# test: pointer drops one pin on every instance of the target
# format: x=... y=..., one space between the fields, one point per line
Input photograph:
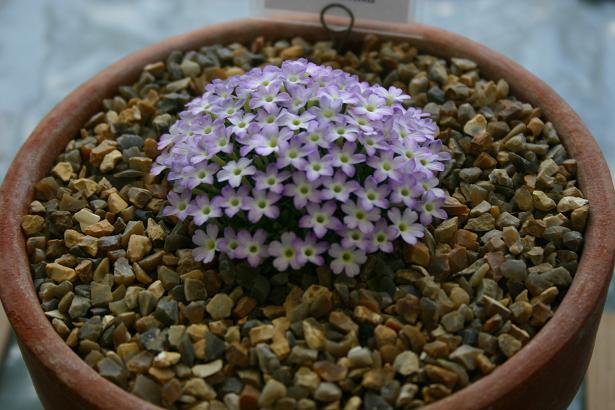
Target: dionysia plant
x=302 y=164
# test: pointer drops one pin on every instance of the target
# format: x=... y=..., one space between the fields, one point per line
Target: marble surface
x=48 y=47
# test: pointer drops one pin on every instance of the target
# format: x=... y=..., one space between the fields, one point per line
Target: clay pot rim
x=587 y=291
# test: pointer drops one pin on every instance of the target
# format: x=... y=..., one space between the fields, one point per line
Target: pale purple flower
x=317 y=135
x=328 y=110
x=337 y=187
x=222 y=142
x=439 y=154
x=266 y=118
x=405 y=225
x=199 y=105
x=201 y=149
x=354 y=238
x=358 y=217
x=302 y=190
x=386 y=165
x=227 y=108
x=373 y=195
x=317 y=71
x=348 y=132
x=373 y=108
x=252 y=247
x=296 y=122
x=345 y=158
x=293 y=153
x=399 y=130
x=207 y=243
x=427 y=160
x=167 y=140
x=262 y=204
x=299 y=97
x=159 y=166
x=271 y=179
x=316 y=167
x=407 y=148
x=221 y=89
x=406 y=192
x=373 y=143
x=199 y=174
x=420 y=126
x=294 y=71
x=179 y=205
x=363 y=124
x=381 y=238
x=431 y=207
x=202 y=210
x=206 y=127
x=240 y=123
x=266 y=77
x=234 y=171
x=346 y=260
x=392 y=96
x=320 y=218
x=310 y=250
x=229 y=242
x=233 y=201
x=249 y=143
x=338 y=91
x=269 y=139
x=428 y=183
x=268 y=97
x=284 y=252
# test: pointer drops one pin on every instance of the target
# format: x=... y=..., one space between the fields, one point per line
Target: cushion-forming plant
x=302 y=164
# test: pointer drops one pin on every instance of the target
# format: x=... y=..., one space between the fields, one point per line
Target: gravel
x=119 y=284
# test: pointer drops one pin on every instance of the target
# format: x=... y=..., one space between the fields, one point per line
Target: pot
x=545 y=374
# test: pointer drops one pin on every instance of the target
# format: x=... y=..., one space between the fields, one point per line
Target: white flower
x=252 y=247
x=233 y=171
x=354 y=238
x=358 y=217
x=347 y=260
x=404 y=225
x=285 y=252
x=207 y=243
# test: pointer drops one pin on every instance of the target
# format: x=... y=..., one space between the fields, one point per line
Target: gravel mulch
x=119 y=284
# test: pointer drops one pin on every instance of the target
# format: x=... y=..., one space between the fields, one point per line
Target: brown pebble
x=261 y=333
x=330 y=372
x=384 y=336
x=32 y=224
x=63 y=170
x=116 y=203
x=244 y=306
x=59 y=273
x=342 y=321
x=99 y=229
x=375 y=379
x=508 y=344
x=441 y=375
x=417 y=254
x=138 y=247
x=363 y=314
x=248 y=399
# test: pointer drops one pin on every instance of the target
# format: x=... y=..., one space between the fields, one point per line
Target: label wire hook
x=339 y=36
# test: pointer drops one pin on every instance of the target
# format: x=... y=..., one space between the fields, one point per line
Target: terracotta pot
x=545 y=374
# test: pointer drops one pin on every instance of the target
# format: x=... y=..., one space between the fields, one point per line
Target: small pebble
x=220 y=306
x=406 y=363
x=327 y=392
x=271 y=393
